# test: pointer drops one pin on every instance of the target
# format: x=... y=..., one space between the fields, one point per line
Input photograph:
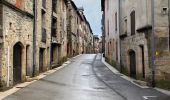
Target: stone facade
x=111 y=22
x=43 y=35
x=96 y=44
x=79 y=31
x=135 y=42
x=34 y=39
x=135 y=19
x=16 y=34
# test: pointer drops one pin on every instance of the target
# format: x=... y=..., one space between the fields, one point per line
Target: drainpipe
x=169 y=21
x=153 y=43
x=51 y=34
x=119 y=34
x=8 y=67
x=34 y=35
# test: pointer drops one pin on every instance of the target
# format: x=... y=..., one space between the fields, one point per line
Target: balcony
x=44 y=35
x=44 y=4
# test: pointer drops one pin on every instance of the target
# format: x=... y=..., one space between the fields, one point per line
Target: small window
x=108 y=27
x=116 y=21
x=133 y=23
x=125 y=26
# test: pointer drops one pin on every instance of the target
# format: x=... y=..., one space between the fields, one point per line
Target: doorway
x=17 y=63
x=143 y=61
x=41 y=60
x=132 y=56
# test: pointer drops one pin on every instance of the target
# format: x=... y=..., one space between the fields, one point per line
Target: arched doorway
x=132 y=57
x=17 y=63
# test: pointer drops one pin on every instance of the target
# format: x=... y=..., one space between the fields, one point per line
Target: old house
x=96 y=43
x=59 y=32
x=71 y=29
x=144 y=37
x=111 y=25
x=43 y=35
x=16 y=36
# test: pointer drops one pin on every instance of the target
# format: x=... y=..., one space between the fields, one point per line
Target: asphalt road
x=85 y=78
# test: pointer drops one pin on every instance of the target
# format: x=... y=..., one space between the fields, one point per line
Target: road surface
x=85 y=78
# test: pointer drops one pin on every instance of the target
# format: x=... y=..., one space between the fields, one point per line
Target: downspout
x=34 y=36
x=119 y=33
x=51 y=34
x=169 y=21
x=153 y=44
x=8 y=67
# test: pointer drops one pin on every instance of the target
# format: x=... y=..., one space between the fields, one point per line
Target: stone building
x=136 y=24
x=96 y=43
x=79 y=32
x=43 y=35
x=72 y=29
x=34 y=39
x=59 y=32
x=89 y=38
x=111 y=24
x=16 y=46
x=136 y=39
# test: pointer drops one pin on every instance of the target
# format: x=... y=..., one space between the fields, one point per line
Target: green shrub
x=164 y=84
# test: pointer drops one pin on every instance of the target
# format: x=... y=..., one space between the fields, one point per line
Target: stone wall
x=134 y=42
x=17 y=28
x=112 y=49
x=39 y=44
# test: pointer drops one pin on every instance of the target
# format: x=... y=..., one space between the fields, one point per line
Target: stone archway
x=17 y=63
x=132 y=60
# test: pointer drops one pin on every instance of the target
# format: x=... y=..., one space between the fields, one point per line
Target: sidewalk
x=42 y=75
x=124 y=85
x=130 y=79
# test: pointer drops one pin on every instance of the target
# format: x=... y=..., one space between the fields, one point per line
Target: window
x=54 y=6
x=125 y=26
x=116 y=51
x=44 y=3
x=108 y=48
x=116 y=21
x=133 y=28
x=108 y=27
x=43 y=19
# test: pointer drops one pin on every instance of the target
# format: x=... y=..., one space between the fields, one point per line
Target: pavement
x=86 y=77
x=124 y=85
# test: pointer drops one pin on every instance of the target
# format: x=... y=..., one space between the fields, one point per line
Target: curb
x=132 y=80
x=34 y=79
x=163 y=91
x=122 y=75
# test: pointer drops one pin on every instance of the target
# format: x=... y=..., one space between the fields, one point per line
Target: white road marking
x=147 y=97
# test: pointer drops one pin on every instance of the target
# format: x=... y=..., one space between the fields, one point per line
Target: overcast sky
x=92 y=12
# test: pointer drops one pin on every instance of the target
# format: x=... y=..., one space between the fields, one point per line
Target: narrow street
x=85 y=78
